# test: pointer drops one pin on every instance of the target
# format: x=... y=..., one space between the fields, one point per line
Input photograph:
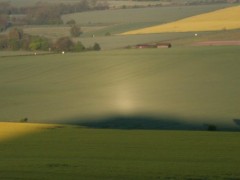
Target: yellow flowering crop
x=11 y=130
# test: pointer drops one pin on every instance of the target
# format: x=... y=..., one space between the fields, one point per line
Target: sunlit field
x=224 y=19
x=16 y=130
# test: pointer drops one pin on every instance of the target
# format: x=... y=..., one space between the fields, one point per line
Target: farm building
x=155 y=45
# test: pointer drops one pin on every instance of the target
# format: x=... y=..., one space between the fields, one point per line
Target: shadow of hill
x=138 y=122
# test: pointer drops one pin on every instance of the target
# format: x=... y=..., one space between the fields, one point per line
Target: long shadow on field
x=137 y=122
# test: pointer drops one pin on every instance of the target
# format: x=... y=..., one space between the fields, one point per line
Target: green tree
x=24 y=120
x=78 y=47
x=35 y=45
x=39 y=43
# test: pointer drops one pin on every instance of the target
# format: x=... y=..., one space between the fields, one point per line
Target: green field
x=79 y=153
x=190 y=85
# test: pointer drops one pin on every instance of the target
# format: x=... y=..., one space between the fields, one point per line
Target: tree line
x=16 y=39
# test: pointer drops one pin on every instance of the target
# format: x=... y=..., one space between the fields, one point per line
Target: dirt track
x=218 y=43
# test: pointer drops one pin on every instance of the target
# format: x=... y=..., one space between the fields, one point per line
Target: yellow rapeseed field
x=224 y=19
x=12 y=130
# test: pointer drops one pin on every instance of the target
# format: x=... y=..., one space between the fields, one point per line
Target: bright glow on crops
x=12 y=130
x=123 y=100
x=224 y=19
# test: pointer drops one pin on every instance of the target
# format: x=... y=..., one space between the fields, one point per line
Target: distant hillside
x=223 y=19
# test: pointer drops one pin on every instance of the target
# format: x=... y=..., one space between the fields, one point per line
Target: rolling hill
x=195 y=85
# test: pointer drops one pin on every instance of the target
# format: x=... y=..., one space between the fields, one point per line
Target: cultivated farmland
x=224 y=19
x=102 y=26
x=122 y=20
x=15 y=130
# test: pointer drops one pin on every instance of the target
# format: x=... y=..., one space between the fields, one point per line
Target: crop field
x=223 y=19
x=122 y=20
x=184 y=86
x=105 y=25
x=72 y=152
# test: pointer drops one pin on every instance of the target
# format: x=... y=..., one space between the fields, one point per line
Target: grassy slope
x=78 y=153
x=194 y=84
x=217 y=20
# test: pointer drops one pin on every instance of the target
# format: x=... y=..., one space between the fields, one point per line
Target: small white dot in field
x=35 y=53
x=196 y=34
x=63 y=52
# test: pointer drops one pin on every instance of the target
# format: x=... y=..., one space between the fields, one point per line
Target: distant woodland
x=43 y=13
x=16 y=39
